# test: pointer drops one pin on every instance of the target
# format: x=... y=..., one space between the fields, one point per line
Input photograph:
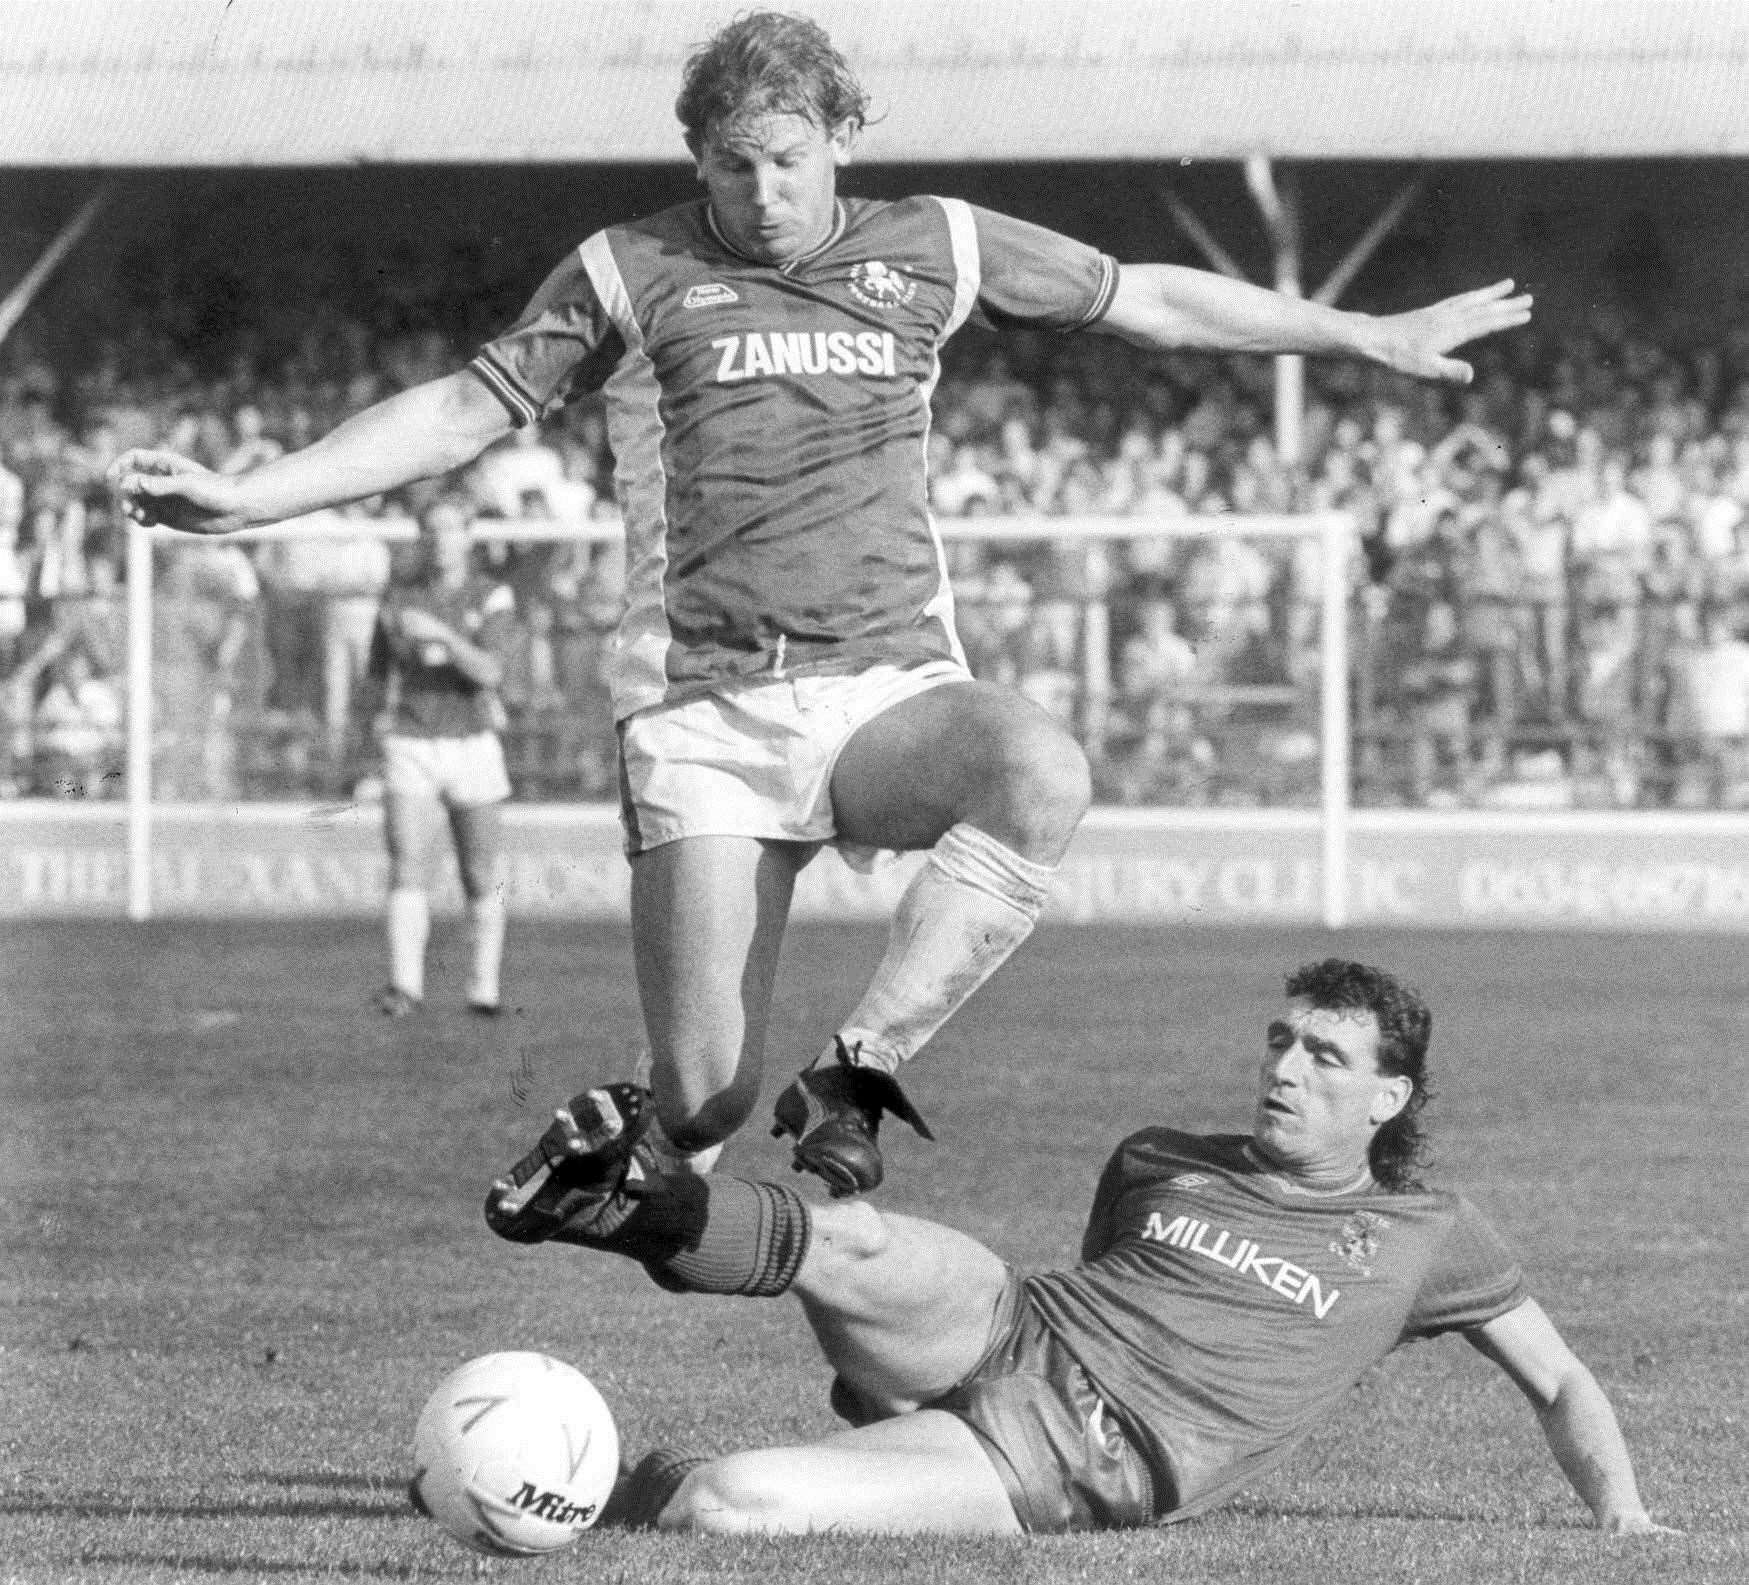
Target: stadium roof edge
x=175 y=83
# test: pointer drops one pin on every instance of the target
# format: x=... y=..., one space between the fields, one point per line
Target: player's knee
x=411 y=872
x=480 y=877
x=846 y=1240
x=696 y=1116
x=1046 y=787
x=728 y=1496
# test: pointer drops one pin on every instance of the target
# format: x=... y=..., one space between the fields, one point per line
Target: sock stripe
x=782 y=1241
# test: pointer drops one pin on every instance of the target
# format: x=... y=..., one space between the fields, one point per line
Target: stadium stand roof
x=113 y=83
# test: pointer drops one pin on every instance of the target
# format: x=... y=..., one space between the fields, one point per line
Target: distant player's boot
x=834 y=1113
x=584 y=1171
x=393 y=1002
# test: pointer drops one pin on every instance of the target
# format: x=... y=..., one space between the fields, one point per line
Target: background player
x=787 y=670
x=435 y=660
x=1231 y=1289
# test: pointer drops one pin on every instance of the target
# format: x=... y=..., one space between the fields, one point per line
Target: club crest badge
x=1359 y=1240
x=880 y=285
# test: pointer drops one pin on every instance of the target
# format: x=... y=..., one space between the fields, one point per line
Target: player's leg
x=412 y=829
x=922 y=1473
x=901 y=1306
x=905 y=1309
x=965 y=752
x=994 y=788
x=478 y=833
x=708 y=916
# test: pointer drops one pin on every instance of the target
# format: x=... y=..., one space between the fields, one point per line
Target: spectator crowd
x=1549 y=592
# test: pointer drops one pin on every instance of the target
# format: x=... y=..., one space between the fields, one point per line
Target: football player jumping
x=787 y=672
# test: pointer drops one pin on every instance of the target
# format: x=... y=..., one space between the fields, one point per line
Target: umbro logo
x=1190 y=1180
x=711 y=295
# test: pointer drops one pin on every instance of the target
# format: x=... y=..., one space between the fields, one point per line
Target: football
x=514 y=1454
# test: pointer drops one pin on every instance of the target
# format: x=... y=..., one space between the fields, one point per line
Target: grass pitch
x=240 y=1218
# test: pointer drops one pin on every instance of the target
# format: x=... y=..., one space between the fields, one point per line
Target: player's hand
x=1417 y=342
x=421 y=627
x=159 y=488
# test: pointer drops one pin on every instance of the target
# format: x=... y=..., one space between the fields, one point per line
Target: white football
x=514 y=1454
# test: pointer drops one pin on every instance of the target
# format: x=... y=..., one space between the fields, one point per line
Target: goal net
x=1202 y=662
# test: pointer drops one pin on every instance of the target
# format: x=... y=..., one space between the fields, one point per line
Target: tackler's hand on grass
x=1417 y=342
x=162 y=489
x=1624 y=1526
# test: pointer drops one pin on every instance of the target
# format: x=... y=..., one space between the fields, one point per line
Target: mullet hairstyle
x=768 y=63
x=1400 y=1147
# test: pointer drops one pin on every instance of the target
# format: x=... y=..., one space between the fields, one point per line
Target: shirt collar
x=1363 y=1180
x=839 y=221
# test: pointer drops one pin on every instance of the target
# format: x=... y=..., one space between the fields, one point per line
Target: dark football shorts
x=1066 y=1462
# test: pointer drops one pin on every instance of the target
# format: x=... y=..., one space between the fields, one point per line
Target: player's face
x=1322 y=1096
x=773 y=180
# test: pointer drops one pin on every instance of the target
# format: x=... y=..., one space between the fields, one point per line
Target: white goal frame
x=1334 y=531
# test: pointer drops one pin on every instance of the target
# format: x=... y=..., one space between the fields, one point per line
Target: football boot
x=393 y=1002
x=587 y=1165
x=833 y=1110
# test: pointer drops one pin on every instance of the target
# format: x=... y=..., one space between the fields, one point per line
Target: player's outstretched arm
x=1166 y=306
x=415 y=434
x=1575 y=1413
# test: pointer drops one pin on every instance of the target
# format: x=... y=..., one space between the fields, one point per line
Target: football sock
x=486 y=929
x=642 y=1492
x=970 y=905
x=707 y=1235
x=409 y=928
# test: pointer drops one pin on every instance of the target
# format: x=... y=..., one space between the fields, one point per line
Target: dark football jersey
x=769 y=424
x=1222 y=1314
x=428 y=695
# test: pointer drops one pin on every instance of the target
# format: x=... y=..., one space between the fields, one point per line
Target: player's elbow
x=465 y=418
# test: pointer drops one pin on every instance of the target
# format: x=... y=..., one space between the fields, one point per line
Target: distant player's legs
x=708 y=916
x=994 y=788
x=412 y=827
x=478 y=834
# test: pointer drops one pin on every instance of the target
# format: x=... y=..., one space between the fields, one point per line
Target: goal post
x=1097 y=538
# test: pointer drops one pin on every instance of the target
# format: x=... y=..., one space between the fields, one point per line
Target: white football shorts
x=460 y=772
x=755 y=760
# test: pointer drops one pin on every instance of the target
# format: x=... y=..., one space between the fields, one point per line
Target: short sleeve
x=1032 y=278
x=1472 y=1279
x=1096 y=1237
x=563 y=344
